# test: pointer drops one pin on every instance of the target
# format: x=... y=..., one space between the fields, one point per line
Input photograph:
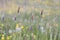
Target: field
x=35 y=20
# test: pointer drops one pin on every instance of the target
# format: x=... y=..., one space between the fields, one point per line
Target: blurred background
x=11 y=6
x=29 y=19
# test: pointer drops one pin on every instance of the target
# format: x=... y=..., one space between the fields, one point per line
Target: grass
x=30 y=25
x=30 y=29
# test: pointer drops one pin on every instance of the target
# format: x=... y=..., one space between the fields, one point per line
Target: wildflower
x=42 y=29
x=22 y=27
x=18 y=29
x=17 y=25
x=2 y=37
x=10 y=31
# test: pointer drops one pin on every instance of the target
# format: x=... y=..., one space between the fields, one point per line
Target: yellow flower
x=17 y=25
x=2 y=38
x=22 y=27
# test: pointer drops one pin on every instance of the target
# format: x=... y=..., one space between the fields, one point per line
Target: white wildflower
x=10 y=31
x=18 y=29
x=42 y=29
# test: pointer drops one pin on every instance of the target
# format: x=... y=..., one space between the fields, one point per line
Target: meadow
x=29 y=26
x=35 y=20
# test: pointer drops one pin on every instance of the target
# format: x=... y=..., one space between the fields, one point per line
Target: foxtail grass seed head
x=41 y=12
x=18 y=9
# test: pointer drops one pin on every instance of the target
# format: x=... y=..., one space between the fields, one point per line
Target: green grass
x=31 y=30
